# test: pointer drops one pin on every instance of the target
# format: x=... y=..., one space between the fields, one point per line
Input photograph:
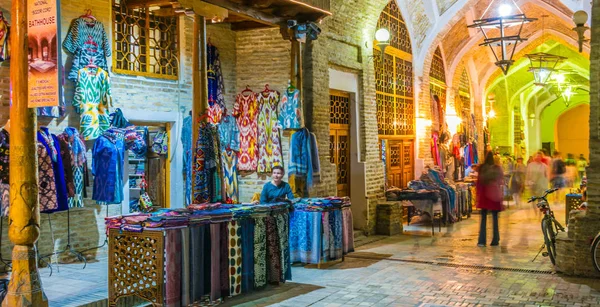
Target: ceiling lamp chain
x=502 y=41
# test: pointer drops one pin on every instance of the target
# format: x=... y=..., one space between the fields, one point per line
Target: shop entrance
x=339 y=138
x=400 y=162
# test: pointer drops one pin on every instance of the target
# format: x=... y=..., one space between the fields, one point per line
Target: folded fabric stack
x=396 y=194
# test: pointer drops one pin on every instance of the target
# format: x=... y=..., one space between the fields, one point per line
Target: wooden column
x=199 y=79
x=296 y=71
x=25 y=287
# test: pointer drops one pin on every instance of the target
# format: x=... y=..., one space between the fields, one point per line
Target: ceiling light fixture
x=543 y=64
x=580 y=18
x=382 y=36
x=503 y=46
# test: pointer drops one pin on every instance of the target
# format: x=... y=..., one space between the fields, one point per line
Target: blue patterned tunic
x=88 y=43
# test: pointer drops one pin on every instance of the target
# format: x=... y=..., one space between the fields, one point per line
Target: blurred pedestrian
x=517 y=181
x=490 y=194
x=581 y=165
x=557 y=176
x=537 y=176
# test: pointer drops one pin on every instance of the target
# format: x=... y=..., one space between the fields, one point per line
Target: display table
x=186 y=256
x=321 y=230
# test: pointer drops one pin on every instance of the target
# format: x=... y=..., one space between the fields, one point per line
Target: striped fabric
x=88 y=43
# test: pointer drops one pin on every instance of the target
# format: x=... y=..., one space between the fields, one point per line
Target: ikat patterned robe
x=92 y=100
x=269 y=145
x=245 y=110
x=290 y=110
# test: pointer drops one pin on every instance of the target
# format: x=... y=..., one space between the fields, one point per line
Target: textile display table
x=321 y=230
x=200 y=254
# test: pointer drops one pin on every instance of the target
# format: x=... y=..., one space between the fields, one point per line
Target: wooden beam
x=205 y=9
x=249 y=12
x=144 y=3
x=248 y=25
x=199 y=79
x=25 y=288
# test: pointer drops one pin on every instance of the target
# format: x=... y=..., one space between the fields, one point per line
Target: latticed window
x=464 y=94
x=394 y=78
x=437 y=86
x=144 y=44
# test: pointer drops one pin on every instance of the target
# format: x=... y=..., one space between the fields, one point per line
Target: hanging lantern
x=566 y=95
x=542 y=65
x=503 y=46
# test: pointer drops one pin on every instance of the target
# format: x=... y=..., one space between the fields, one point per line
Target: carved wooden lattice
x=144 y=44
x=464 y=93
x=339 y=109
x=339 y=138
x=394 y=78
x=438 y=70
x=343 y=159
x=136 y=266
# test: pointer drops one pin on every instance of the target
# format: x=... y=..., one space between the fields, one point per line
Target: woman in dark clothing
x=489 y=197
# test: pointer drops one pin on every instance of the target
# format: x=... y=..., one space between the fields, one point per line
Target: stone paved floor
x=414 y=269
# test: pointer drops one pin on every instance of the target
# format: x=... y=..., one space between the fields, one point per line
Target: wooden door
x=339 y=139
x=400 y=162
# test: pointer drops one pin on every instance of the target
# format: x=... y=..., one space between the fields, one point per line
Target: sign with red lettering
x=43 y=53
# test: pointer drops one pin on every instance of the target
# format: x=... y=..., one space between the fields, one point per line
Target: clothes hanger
x=291 y=88
x=247 y=90
x=87 y=14
x=267 y=89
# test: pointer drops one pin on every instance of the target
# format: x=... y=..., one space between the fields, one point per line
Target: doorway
x=399 y=161
x=339 y=139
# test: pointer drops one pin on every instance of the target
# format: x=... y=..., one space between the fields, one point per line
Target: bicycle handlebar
x=534 y=198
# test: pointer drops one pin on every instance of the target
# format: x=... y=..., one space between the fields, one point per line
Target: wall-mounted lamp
x=531 y=119
x=492 y=114
x=382 y=36
x=580 y=18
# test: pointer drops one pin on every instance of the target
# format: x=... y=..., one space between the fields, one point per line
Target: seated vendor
x=277 y=189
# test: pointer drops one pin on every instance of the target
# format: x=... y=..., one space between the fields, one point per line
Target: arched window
x=463 y=103
x=394 y=77
x=437 y=86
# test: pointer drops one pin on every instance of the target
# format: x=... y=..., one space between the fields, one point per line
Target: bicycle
x=595 y=249
x=550 y=226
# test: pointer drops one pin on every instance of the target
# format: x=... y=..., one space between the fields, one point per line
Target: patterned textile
x=51 y=143
x=348 y=230
x=200 y=254
x=4 y=155
x=305 y=234
x=216 y=86
x=88 y=42
x=77 y=152
x=67 y=157
x=246 y=110
x=57 y=111
x=260 y=252
x=92 y=100
x=204 y=164
x=273 y=251
x=224 y=273
x=235 y=258
x=284 y=247
x=185 y=267
x=46 y=185
x=290 y=110
x=173 y=267
x=229 y=134
x=186 y=140
x=247 y=227
x=215 y=265
x=216 y=184
x=230 y=175
x=4 y=39
x=269 y=145
x=4 y=198
x=326 y=246
x=107 y=167
x=304 y=157
x=118 y=120
x=77 y=199
x=337 y=237
x=77 y=146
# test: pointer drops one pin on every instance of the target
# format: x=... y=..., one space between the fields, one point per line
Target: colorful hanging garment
x=4 y=171
x=107 y=167
x=51 y=143
x=4 y=198
x=88 y=42
x=4 y=38
x=46 y=185
x=78 y=160
x=269 y=145
x=92 y=100
x=204 y=164
x=186 y=140
x=304 y=157
x=173 y=267
x=290 y=110
x=65 y=153
x=235 y=258
x=229 y=134
x=230 y=175
x=260 y=252
x=245 y=110
x=216 y=88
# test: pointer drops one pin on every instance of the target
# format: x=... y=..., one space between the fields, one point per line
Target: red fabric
x=485 y=193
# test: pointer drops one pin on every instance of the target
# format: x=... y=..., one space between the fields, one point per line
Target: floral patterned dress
x=92 y=100
x=245 y=110
x=269 y=146
x=4 y=172
x=46 y=185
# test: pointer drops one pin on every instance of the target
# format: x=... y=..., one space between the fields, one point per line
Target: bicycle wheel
x=596 y=252
x=549 y=239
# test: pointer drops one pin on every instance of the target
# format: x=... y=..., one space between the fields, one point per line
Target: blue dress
x=50 y=142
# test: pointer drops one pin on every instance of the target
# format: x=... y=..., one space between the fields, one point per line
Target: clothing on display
x=92 y=100
x=230 y=174
x=88 y=42
x=246 y=110
x=269 y=145
x=4 y=155
x=216 y=87
x=304 y=162
x=229 y=133
x=186 y=140
x=4 y=38
x=77 y=150
x=52 y=146
x=204 y=164
x=290 y=109
x=46 y=183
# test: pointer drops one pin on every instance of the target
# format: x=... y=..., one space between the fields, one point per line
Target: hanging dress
x=245 y=110
x=51 y=143
x=78 y=160
x=216 y=90
x=92 y=100
x=46 y=185
x=290 y=110
x=4 y=38
x=269 y=145
x=4 y=171
x=88 y=42
x=231 y=177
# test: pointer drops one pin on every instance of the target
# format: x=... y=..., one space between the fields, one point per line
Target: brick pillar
x=573 y=248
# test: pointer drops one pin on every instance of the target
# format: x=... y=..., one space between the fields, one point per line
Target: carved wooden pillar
x=25 y=287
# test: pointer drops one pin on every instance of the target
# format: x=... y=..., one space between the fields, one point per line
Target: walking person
x=537 y=177
x=517 y=181
x=557 y=176
x=581 y=165
x=489 y=189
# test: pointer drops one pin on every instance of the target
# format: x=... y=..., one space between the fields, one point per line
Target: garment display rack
x=68 y=248
x=105 y=239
